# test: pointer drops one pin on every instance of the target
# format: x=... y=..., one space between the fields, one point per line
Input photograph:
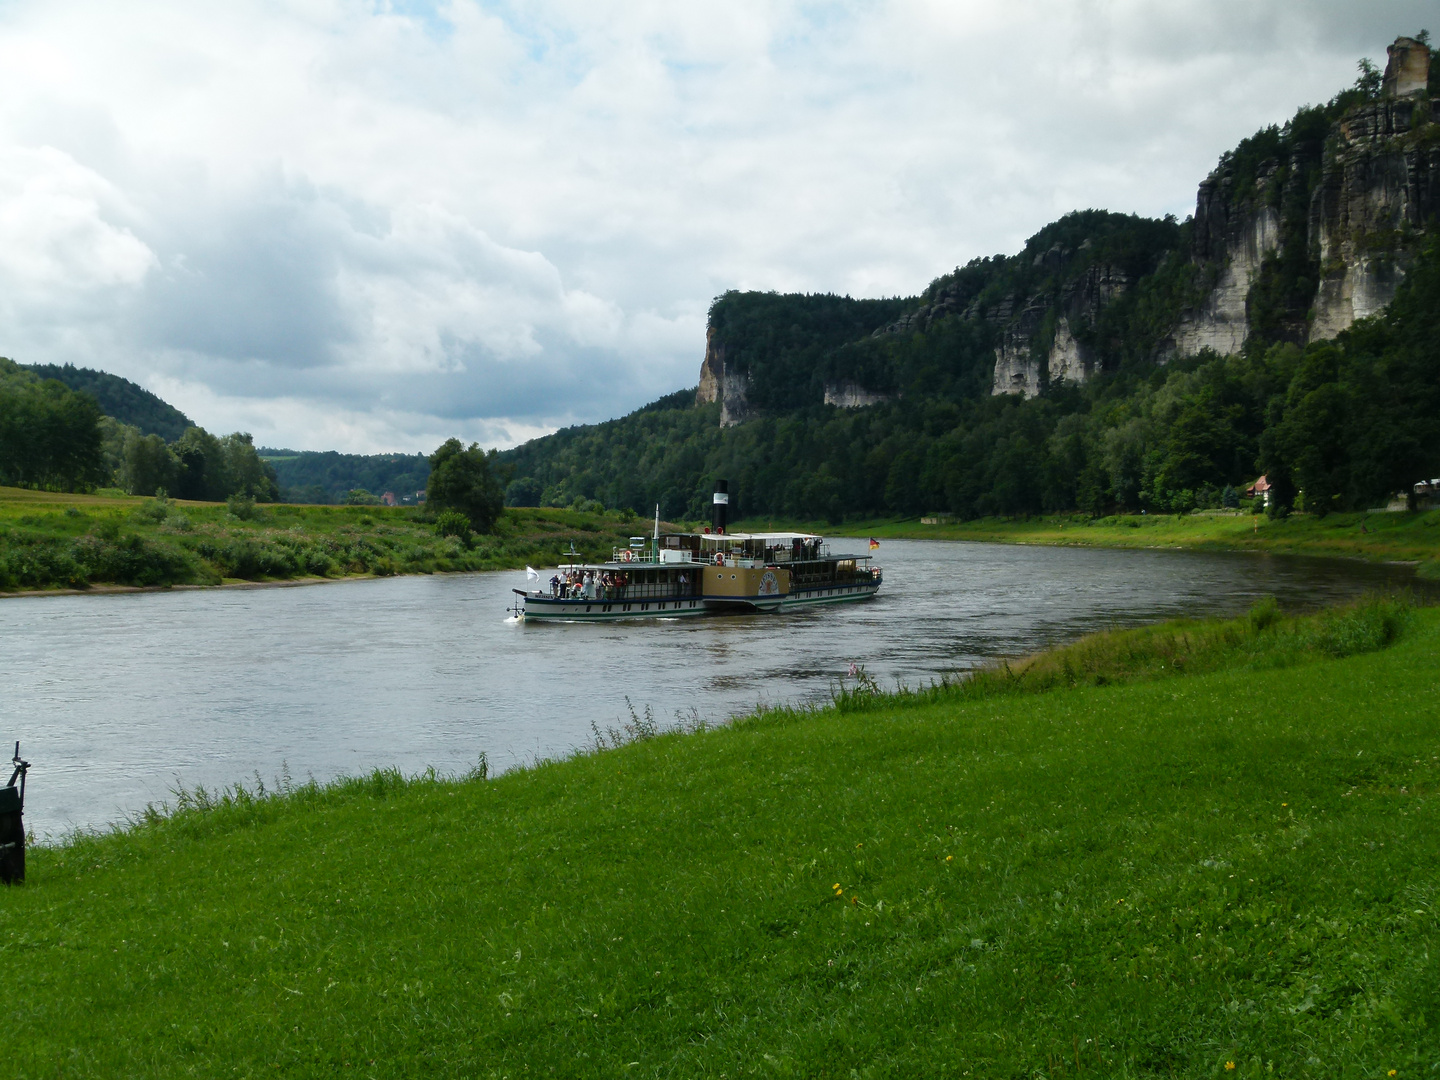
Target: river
x=119 y=698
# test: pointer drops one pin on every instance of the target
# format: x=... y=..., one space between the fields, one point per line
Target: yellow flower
x=1390 y=1073
x=1229 y=1066
x=949 y=858
x=836 y=886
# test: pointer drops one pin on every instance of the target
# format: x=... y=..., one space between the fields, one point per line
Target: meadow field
x=1192 y=850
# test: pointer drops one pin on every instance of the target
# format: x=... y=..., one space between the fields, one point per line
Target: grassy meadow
x=1194 y=850
x=1379 y=537
x=59 y=541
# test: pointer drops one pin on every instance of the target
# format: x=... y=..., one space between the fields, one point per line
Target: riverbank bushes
x=51 y=541
x=1229 y=874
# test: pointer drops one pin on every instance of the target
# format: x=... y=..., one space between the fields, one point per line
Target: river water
x=117 y=699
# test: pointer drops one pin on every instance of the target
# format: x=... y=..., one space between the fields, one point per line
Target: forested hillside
x=120 y=398
x=310 y=476
x=1117 y=363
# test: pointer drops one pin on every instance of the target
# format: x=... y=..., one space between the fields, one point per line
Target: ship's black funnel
x=721 y=508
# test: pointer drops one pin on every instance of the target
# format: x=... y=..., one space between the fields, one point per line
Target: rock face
x=1018 y=368
x=721 y=383
x=1040 y=345
x=1407 y=72
x=1378 y=186
x=1234 y=237
x=851 y=395
x=1068 y=359
x=1378 y=190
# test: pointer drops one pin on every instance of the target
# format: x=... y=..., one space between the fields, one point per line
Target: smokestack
x=721 y=508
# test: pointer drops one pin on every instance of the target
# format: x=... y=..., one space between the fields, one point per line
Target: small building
x=1427 y=494
x=388 y=498
x=1260 y=487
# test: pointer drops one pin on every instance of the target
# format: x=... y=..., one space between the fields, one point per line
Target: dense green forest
x=308 y=476
x=120 y=398
x=49 y=435
x=1334 y=425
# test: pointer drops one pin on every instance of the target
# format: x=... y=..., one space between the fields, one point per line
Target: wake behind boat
x=678 y=575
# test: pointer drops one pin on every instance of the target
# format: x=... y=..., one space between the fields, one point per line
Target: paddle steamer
x=678 y=575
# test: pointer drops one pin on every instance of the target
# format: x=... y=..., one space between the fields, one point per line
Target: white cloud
x=58 y=235
x=370 y=225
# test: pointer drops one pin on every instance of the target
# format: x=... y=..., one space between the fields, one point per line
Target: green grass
x=1149 y=878
x=52 y=541
x=1401 y=537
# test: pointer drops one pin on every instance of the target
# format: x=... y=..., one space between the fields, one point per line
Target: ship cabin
x=806 y=555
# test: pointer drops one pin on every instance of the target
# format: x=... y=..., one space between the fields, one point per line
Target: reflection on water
x=116 y=699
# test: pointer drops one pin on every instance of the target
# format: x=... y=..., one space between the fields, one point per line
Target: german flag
x=874 y=543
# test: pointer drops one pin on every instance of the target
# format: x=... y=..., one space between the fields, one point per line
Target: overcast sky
x=368 y=226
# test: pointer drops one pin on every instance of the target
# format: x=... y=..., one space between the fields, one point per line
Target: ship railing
x=619 y=594
x=647 y=556
x=633 y=555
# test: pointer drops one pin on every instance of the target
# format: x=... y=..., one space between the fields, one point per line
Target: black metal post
x=12 y=824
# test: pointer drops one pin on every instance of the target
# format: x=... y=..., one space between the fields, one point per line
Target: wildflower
x=1390 y=1073
x=949 y=858
x=1229 y=1066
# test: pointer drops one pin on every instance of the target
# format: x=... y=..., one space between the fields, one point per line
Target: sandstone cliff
x=1367 y=191
x=1380 y=188
x=1232 y=239
x=1298 y=231
x=1047 y=341
x=721 y=383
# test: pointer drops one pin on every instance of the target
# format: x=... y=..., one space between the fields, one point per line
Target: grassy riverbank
x=1030 y=875
x=1399 y=537
x=55 y=541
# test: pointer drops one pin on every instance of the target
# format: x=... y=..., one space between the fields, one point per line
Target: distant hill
x=326 y=476
x=120 y=398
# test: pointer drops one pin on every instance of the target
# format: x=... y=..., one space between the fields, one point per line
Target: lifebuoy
x=626 y=556
x=719 y=559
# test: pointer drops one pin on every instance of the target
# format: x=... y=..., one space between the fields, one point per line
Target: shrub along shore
x=1199 y=849
x=59 y=541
